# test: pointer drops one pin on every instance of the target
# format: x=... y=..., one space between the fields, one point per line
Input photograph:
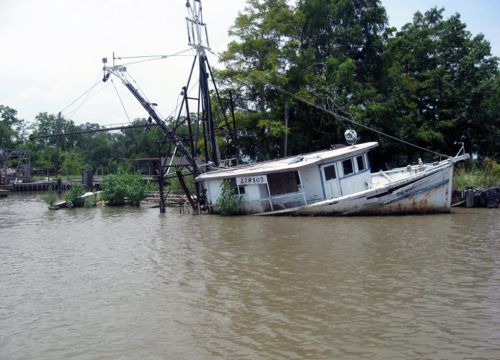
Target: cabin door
x=330 y=181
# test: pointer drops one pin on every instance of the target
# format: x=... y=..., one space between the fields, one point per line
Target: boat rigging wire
x=121 y=101
x=82 y=95
x=351 y=120
x=87 y=98
x=147 y=58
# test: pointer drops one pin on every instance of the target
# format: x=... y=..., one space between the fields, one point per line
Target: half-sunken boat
x=331 y=182
x=335 y=182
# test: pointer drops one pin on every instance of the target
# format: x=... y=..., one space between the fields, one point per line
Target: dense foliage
x=431 y=83
x=123 y=188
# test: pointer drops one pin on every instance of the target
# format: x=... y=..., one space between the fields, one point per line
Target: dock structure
x=21 y=172
x=4 y=193
x=46 y=185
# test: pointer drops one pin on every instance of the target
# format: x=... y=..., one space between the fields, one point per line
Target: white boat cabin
x=296 y=181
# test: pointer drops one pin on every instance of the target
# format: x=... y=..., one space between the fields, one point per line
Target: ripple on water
x=127 y=282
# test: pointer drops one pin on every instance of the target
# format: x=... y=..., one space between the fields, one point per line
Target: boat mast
x=198 y=40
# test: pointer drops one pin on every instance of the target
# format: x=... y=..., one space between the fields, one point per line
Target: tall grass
x=475 y=175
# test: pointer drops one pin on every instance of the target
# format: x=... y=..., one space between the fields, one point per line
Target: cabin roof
x=290 y=163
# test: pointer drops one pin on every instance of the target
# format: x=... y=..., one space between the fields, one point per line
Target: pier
x=46 y=185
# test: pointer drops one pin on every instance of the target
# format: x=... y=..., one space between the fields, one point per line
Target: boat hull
x=423 y=193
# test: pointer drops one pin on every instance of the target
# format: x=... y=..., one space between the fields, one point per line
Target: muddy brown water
x=109 y=283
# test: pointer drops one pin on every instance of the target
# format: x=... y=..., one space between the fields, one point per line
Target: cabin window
x=237 y=189
x=330 y=172
x=361 y=163
x=283 y=183
x=347 y=166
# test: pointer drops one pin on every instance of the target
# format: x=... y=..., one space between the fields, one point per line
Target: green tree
x=72 y=163
x=264 y=36
x=443 y=84
x=12 y=129
x=139 y=142
x=329 y=52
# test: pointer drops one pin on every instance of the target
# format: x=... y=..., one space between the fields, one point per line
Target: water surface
x=109 y=283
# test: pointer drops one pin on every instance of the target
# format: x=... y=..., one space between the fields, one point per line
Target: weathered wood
x=469 y=198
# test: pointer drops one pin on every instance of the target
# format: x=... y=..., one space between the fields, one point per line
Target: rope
x=349 y=119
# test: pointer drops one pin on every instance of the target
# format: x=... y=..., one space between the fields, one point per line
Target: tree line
x=432 y=83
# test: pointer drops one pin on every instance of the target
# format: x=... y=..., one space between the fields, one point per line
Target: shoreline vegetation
x=131 y=189
x=432 y=83
x=475 y=176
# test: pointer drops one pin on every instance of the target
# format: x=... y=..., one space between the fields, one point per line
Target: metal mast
x=198 y=40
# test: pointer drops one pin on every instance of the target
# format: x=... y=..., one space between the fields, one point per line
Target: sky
x=52 y=50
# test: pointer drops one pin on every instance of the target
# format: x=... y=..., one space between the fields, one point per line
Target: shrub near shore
x=472 y=175
x=123 y=189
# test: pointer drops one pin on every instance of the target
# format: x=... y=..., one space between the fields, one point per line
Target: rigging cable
x=82 y=95
x=352 y=121
x=147 y=58
x=121 y=101
x=87 y=98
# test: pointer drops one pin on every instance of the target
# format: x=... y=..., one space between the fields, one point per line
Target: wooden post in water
x=469 y=198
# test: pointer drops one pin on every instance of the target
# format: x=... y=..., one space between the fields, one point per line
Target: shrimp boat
x=332 y=182
x=336 y=182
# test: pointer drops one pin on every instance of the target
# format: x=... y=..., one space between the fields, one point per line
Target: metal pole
x=193 y=150
x=285 y=152
x=207 y=108
x=235 y=130
x=58 y=164
x=161 y=181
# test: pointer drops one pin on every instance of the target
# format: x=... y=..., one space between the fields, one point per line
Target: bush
x=89 y=202
x=50 y=197
x=73 y=196
x=228 y=202
x=122 y=188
